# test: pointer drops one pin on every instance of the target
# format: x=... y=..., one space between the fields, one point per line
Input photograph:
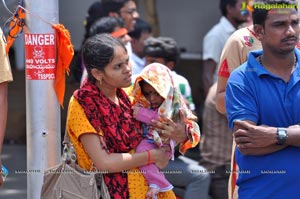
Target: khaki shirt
x=5 y=69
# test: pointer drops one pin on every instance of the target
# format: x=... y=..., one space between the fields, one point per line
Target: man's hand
x=248 y=135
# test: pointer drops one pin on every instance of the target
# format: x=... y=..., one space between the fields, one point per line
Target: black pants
x=219 y=183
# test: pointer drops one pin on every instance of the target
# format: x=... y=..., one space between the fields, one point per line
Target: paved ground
x=14 y=159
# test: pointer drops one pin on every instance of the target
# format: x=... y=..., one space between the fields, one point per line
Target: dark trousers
x=219 y=183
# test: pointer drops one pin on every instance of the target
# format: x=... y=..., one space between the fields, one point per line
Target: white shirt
x=185 y=89
x=137 y=63
x=215 y=39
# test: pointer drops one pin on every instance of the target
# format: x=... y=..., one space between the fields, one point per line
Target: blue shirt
x=254 y=94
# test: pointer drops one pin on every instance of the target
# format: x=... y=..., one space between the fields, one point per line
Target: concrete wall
x=186 y=21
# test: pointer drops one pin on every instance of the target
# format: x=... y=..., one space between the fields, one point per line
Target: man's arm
x=220 y=95
x=259 y=140
x=3 y=117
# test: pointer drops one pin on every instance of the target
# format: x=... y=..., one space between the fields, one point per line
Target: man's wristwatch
x=281 y=136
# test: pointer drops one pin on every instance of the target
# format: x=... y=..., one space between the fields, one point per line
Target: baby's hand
x=135 y=110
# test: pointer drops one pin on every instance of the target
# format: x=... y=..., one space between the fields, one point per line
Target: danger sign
x=40 y=56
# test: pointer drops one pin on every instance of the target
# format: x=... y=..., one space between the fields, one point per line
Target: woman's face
x=151 y=95
x=117 y=74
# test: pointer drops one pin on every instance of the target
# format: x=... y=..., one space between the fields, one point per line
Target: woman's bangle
x=188 y=132
x=149 y=157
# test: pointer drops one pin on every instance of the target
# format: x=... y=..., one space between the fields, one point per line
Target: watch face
x=281 y=136
x=281 y=133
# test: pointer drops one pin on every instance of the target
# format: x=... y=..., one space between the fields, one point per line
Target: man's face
x=129 y=14
x=235 y=13
x=138 y=44
x=150 y=60
x=280 y=31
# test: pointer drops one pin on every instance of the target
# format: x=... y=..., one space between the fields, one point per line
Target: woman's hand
x=161 y=156
x=168 y=128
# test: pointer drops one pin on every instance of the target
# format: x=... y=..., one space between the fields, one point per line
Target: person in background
x=165 y=50
x=5 y=77
x=193 y=180
x=215 y=39
x=125 y=9
x=234 y=54
x=142 y=31
x=114 y=26
x=262 y=103
x=214 y=124
x=94 y=13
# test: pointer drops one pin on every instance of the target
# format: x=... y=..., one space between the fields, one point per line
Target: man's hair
x=262 y=9
x=140 y=27
x=223 y=5
x=162 y=47
x=106 y=25
x=113 y=6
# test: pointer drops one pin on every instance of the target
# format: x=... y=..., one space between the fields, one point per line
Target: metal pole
x=42 y=108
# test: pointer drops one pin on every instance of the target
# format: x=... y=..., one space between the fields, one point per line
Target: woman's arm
x=117 y=162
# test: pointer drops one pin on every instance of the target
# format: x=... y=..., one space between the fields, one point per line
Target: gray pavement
x=14 y=159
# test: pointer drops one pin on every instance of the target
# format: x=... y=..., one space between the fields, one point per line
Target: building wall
x=186 y=21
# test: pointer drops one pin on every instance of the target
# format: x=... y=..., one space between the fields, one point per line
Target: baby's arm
x=145 y=115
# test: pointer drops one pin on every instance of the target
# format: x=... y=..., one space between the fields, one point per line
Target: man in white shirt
x=215 y=39
x=142 y=31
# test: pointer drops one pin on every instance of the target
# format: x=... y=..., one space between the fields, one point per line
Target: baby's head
x=151 y=94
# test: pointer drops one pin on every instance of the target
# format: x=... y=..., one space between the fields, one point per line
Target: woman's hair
x=106 y=25
x=95 y=12
x=98 y=51
x=262 y=8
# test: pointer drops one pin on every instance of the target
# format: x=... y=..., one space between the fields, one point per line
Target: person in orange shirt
x=5 y=77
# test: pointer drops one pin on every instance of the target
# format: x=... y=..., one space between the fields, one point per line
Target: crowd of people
x=133 y=112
